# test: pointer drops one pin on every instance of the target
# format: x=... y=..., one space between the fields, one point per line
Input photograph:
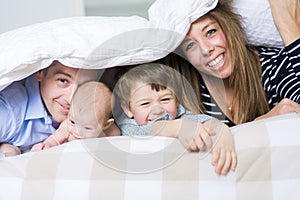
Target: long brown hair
x=249 y=96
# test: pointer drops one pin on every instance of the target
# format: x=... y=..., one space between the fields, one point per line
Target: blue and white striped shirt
x=280 y=78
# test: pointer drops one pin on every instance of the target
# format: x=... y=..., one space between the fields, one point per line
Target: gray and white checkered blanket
x=160 y=168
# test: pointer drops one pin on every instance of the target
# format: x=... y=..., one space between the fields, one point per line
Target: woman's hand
x=285 y=106
x=286 y=15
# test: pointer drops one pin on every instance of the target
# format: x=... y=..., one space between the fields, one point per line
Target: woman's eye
x=189 y=46
x=211 y=32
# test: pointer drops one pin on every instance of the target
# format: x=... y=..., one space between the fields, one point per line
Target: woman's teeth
x=215 y=62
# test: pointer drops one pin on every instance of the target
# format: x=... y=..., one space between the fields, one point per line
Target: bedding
x=136 y=167
x=256 y=16
x=160 y=168
x=81 y=42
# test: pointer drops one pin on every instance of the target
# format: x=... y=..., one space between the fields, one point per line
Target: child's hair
x=158 y=76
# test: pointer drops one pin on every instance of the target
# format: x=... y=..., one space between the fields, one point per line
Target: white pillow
x=81 y=42
x=258 y=22
x=177 y=15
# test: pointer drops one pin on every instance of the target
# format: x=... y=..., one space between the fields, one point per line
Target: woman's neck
x=222 y=93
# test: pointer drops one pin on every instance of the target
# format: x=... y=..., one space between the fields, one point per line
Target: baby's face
x=147 y=105
x=83 y=126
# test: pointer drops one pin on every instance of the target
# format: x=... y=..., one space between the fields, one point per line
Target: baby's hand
x=38 y=147
x=223 y=151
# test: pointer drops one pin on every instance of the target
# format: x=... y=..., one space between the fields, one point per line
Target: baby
x=89 y=117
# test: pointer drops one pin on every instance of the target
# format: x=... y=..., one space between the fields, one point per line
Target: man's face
x=57 y=86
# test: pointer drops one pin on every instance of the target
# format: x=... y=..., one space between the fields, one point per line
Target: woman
x=238 y=82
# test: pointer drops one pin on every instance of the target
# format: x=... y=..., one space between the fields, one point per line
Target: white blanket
x=160 y=168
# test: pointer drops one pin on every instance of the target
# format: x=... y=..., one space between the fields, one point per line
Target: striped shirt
x=280 y=79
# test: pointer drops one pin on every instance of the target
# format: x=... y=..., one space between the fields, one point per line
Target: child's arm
x=58 y=137
x=196 y=136
x=224 y=157
x=193 y=135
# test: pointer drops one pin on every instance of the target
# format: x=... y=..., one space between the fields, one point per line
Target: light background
x=18 y=13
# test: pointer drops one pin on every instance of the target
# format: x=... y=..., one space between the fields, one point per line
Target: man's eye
x=63 y=81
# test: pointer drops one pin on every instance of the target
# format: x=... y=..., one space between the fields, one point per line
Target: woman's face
x=205 y=48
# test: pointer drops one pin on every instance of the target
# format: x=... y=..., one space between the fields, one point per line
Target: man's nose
x=156 y=112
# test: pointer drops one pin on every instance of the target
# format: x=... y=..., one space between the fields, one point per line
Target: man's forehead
x=74 y=73
x=90 y=74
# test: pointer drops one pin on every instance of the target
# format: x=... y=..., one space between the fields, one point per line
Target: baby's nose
x=156 y=112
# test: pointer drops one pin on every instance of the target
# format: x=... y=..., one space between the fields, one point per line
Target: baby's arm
x=58 y=137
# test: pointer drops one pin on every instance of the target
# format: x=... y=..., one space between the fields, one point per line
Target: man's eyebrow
x=62 y=73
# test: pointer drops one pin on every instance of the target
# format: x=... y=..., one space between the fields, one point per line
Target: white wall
x=17 y=13
x=117 y=7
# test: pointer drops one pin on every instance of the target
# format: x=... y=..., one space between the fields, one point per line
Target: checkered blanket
x=157 y=168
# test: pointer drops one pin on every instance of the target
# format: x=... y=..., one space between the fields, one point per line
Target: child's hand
x=195 y=136
x=223 y=151
x=38 y=147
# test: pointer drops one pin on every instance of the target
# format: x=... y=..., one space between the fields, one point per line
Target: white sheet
x=160 y=168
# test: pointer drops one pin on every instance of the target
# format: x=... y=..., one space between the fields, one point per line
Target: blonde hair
x=159 y=77
x=246 y=76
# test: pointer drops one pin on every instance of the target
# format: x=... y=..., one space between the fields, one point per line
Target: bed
x=139 y=167
x=160 y=168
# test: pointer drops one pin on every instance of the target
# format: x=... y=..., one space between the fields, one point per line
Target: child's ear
x=177 y=102
x=127 y=111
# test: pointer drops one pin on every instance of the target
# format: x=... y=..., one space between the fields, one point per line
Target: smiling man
x=29 y=108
